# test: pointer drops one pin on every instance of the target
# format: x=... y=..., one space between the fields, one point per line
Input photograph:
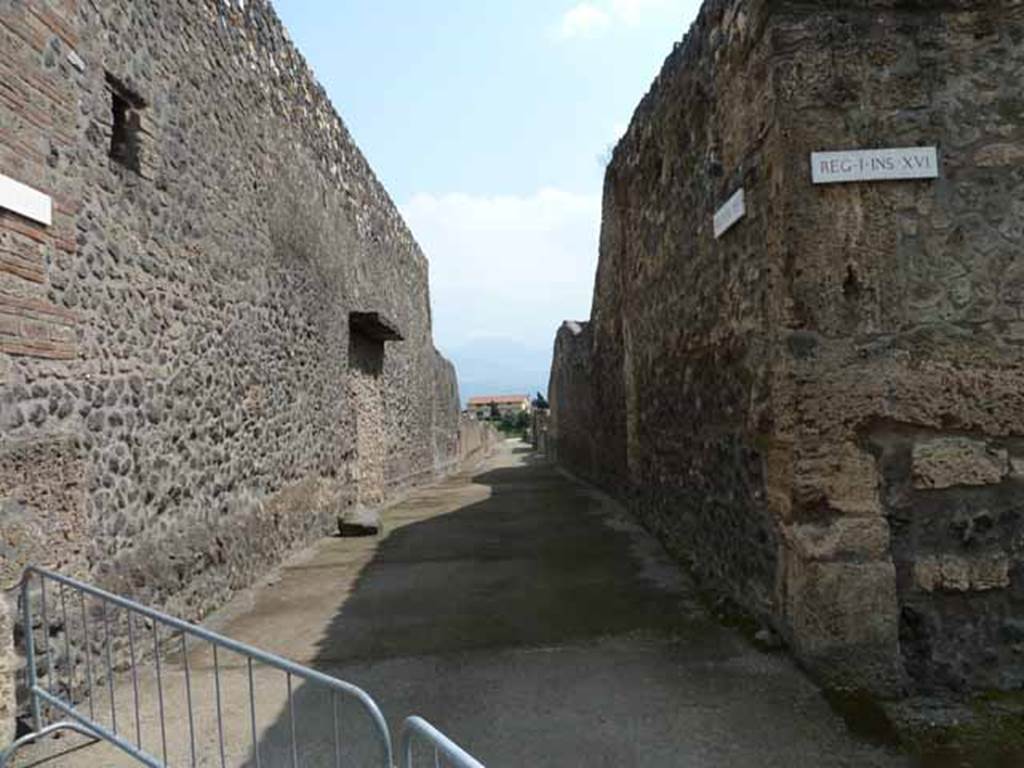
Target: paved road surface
x=522 y=613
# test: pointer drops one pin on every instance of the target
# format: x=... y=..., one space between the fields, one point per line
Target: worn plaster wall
x=176 y=398
x=821 y=411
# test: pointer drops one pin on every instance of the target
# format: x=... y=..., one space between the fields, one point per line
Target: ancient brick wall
x=821 y=410
x=174 y=347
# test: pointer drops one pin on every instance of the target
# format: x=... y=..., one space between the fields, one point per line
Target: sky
x=490 y=123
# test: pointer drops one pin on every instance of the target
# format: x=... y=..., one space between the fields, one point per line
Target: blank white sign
x=25 y=201
x=875 y=165
x=734 y=209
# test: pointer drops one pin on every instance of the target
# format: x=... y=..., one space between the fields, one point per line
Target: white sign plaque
x=734 y=209
x=25 y=201
x=875 y=165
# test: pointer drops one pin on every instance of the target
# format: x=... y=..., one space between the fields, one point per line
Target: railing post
x=30 y=649
x=405 y=746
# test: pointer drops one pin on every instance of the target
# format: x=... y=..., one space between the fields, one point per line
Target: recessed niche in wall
x=367 y=333
x=126 y=137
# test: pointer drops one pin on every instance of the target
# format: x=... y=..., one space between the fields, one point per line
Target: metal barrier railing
x=57 y=692
x=442 y=750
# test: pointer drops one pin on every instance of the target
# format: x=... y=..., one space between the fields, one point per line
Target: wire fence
x=167 y=692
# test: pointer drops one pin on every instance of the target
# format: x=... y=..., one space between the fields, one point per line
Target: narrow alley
x=525 y=615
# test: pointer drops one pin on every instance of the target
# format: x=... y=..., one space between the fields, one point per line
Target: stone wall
x=177 y=404
x=477 y=440
x=539 y=430
x=822 y=411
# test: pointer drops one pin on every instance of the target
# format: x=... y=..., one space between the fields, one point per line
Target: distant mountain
x=499 y=366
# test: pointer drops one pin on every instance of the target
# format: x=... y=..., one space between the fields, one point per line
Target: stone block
x=950 y=461
x=778 y=471
x=841 y=478
x=1017 y=466
x=953 y=573
x=860 y=538
x=359 y=521
x=841 y=603
x=996 y=155
x=844 y=618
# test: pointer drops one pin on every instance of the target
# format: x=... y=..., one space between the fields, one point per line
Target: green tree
x=515 y=423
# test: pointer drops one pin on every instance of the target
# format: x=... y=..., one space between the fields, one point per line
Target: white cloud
x=588 y=19
x=582 y=20
x=507 y=266
x=633 y=11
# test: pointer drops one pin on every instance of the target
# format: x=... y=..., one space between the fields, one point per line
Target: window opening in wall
x=367 y=333
x=126 y=136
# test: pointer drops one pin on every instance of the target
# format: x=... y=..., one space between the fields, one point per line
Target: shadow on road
x=536 y=623
x=531 y=565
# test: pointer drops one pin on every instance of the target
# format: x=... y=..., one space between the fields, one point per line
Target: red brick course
x=44 y=111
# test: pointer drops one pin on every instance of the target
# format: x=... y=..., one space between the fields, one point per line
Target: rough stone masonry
x=823 y=409
x=183 y=396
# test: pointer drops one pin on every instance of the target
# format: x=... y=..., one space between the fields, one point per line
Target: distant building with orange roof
x=482 y=406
